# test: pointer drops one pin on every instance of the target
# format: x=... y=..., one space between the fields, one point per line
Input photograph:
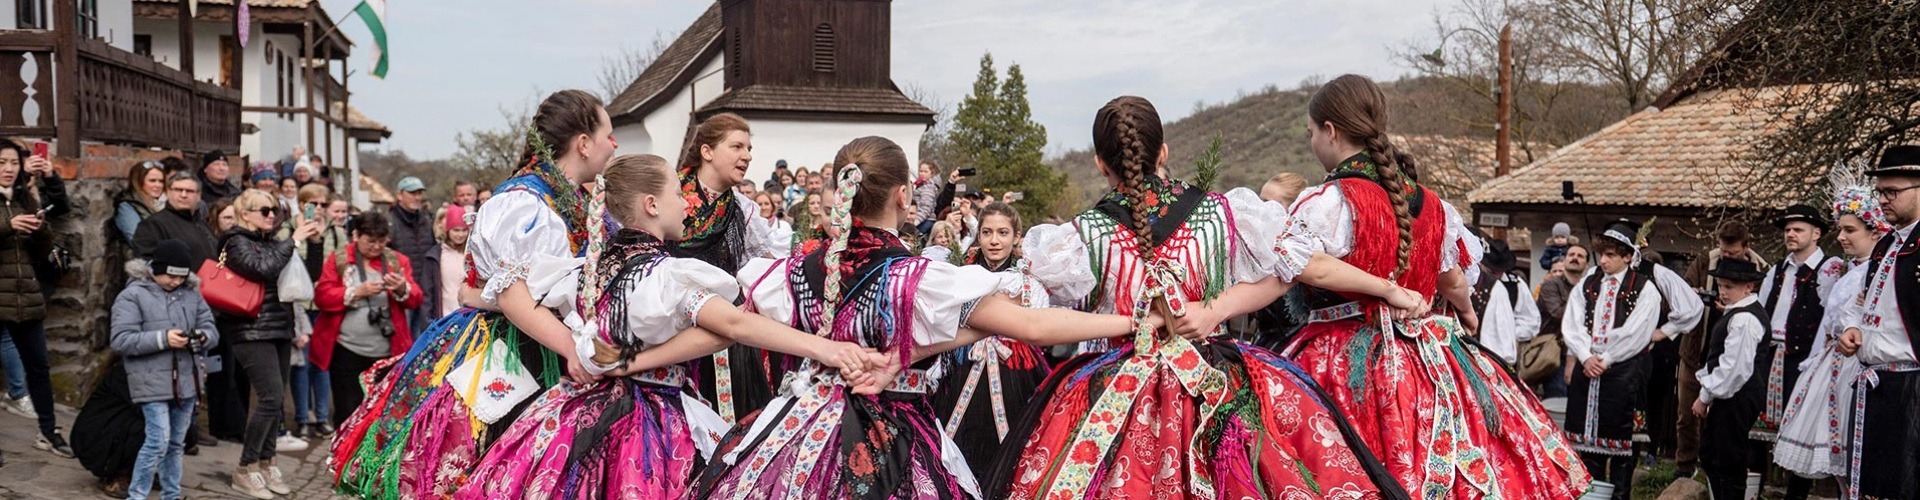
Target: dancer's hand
x=850 y=358
x=1849 y=342
x=1199 y=323
x=883 y=369
x=1407 y=303
x=1699 y=409
x=1594 y=367
x=577 y=372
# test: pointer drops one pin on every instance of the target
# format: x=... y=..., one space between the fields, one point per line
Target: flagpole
x=333 y=28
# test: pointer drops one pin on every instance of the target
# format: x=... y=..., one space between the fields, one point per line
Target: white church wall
x=665 y=129
x=813 y=143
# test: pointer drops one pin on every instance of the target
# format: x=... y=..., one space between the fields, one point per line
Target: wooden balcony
x=109 y=96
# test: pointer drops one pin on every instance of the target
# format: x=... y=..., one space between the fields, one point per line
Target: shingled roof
x=1683 y=156
x=678 y=58
x=817 y=99
x=294 y=4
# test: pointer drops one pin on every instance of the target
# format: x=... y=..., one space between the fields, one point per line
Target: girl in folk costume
x=1164 y=416
x=993 y=379
x=637 y=434
x=1445 y=416
x=818 y=440
x=1813 y=434
x=721 y=230
x=430 y=413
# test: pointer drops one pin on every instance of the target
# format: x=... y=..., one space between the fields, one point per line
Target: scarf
x=630 y=253
x=716 y=231
x=977 y=257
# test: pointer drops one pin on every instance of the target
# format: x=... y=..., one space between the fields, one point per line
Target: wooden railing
x=120 y=97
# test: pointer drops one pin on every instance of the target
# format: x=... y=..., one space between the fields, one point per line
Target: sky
x=455 y=64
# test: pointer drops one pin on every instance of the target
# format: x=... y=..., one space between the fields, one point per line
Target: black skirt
x=977 y=435
x=114 y=426
x=752 y=389
x=1889 y=458
x=1612 y=408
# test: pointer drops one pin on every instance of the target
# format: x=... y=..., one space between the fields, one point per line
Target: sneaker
x=299 y=431
x=288 y=444
x=276 y=482
x=53 y=443
x=22 y=407
x=249 y=482
x=324 y=429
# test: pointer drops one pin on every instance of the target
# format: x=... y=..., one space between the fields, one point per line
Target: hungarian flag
x=374 y=13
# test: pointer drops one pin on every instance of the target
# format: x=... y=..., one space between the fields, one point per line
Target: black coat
x=173 y=224
x=413 y=237
x=259 y=258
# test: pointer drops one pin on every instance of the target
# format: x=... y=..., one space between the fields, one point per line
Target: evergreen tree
x=994 y=132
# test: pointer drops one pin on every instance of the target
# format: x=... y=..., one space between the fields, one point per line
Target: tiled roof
x=676 y=59
x=290 y=4
x=1687 y=155
x=359 y=121
x=376 y=193
x=818 y=99
x=1450 y=165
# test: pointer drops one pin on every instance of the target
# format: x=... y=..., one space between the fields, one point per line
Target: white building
x=292 y=75
x=808 y=77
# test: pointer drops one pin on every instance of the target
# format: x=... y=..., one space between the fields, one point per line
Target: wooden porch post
x=66 y=79
x=186 y=38
x=306 y=69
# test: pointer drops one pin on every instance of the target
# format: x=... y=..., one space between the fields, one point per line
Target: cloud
x=456 y=63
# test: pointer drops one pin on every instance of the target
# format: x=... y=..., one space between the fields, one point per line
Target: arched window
x=823 y=48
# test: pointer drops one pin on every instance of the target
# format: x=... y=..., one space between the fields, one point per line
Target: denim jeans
x=312 y=393
x=167 y=423
x=30 y=338
x=16 y=372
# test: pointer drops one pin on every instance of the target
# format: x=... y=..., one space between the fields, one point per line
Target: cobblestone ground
x=35 y=474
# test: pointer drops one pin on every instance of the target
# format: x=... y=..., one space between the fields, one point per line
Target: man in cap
x=216 y=179
x=1793 y=296
x=773 y=183
x=1610 y=320
x=1731 y=394
x=1507 y=313
x=1886 y=448
x=413 y=237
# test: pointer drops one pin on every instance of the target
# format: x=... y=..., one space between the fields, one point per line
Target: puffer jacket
x=21 y=297
x=259 y=258
x=142 y=315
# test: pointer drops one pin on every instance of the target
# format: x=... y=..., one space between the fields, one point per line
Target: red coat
x=330 y=297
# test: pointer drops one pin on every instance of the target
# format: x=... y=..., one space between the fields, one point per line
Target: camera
x=382 y=319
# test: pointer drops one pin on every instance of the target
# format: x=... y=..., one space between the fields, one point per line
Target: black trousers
x=226 y=398
x=30 y=338
x=266 y=366
x=1660 y=400
x=344 y=372
x=1890 y=448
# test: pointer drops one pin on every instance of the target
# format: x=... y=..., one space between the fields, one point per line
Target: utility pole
x=1503 y=116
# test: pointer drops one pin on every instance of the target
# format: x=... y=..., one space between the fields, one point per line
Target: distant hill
x=1264 y=133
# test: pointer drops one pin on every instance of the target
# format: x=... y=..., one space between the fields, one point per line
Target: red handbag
x=229 y=293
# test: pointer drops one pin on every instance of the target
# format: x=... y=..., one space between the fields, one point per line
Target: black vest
x=1483 y=291
x=1803 y=315
x=1906 y=281
x=1717 y=339
x=1632 y=283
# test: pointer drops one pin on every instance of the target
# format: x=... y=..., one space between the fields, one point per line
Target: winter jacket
x=413 y=237
x=330 y=296
x=23 y=254
x=142 y=315
x=258 y=258
x=128 y=211
x=180 y=225
x=926 y=195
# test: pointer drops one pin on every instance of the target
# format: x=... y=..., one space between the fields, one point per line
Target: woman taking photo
x=261 y=345
x=31 y=194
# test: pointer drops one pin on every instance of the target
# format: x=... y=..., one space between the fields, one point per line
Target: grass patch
x=1656 y=480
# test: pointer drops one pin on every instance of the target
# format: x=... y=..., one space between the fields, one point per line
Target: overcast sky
x=455 y=63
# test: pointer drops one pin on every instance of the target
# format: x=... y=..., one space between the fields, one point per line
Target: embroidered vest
x=1906 y=280
x=1376 y=242
x=1624 y=299
x=1197 y=233
x=1804 y=314
x=1483 y=291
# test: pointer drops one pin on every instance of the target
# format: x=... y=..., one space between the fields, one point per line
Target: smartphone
x=1015 y=196
x=309 y=211
x=40 y=148
x=968 y=172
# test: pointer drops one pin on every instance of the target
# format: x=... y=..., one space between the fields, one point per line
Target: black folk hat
x=1902 y=161
x=1623 y=231
x=1737 y=270
x=1803 y=213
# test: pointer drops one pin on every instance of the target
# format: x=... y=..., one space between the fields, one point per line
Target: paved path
x=35 y=474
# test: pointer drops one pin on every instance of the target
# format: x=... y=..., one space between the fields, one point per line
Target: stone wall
x=78 y=321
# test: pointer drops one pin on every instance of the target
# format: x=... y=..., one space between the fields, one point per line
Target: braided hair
x=1358 y=109
x=869 y=170
x=561 y=117
x=1127 y=138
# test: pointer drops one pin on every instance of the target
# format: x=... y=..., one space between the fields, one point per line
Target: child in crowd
x=160 y=326
x=1557 y=245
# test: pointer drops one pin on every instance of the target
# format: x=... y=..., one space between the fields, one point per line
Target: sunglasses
x=267 y=211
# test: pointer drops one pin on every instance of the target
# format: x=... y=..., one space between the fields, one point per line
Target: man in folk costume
x=1793 y=295
x=1731 y=394
x=1507 y=313
x=1610 y=320
x=1885 y=336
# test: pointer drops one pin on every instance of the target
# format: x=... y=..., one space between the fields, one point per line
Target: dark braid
x=1358 y=110
x=1127 y=136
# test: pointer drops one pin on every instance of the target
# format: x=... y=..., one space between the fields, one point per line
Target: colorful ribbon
x=987 y=355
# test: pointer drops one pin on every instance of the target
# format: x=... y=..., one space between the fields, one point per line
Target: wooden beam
x=306 y=69
x=66 y=81
x=186 y=39
x=239 y=86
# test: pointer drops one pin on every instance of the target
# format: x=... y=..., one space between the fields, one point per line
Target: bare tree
x=1636 y=46
x=933 y=144
x=618 y=71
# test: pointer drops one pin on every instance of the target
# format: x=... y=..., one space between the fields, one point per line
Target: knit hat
x=1562 y=229
x=456 y=217
x=264 y=172
x=170 y=258
x=212 y=156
